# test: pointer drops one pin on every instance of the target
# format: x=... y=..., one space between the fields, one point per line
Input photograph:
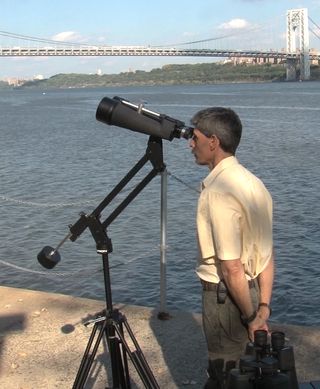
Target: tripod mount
x=112 y=325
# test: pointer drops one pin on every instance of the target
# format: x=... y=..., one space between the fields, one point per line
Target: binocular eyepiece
x=122 y=113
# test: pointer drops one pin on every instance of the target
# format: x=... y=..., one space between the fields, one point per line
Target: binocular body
x=122 y=113
x=264 y=365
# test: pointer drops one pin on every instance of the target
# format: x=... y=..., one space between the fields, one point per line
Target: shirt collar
x=222 y=165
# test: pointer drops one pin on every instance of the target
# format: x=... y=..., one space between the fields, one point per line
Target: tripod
x=114 y=324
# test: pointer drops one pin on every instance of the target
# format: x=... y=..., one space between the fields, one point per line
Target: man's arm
x=265 y=280
x=234 y=276
x=237 y=284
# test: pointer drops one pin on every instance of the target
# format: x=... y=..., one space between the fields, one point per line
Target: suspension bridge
x=296 y=55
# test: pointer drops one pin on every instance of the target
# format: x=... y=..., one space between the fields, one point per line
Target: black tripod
x=113 y=325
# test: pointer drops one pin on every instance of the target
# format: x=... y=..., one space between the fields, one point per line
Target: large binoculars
x=264 y=365
x=122 y=113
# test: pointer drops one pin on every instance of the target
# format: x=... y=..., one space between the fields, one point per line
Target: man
x=234 y=224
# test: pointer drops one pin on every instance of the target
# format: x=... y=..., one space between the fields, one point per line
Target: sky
x=138 y=23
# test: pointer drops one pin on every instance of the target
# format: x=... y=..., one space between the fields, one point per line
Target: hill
x=205 y=73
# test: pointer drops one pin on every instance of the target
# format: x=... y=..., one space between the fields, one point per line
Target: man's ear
x=214 y=142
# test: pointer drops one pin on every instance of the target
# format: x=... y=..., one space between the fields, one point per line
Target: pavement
x=43 y=337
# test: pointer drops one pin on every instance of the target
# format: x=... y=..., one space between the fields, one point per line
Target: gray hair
x=224 y=123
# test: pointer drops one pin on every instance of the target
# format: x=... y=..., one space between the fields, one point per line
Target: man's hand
x=259 y=323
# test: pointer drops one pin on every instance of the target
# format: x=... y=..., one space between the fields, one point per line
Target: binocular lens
x=277 y=340
x=260 y=338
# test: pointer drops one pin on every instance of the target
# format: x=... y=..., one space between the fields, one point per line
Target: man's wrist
x=248 y=320
x=266 y=305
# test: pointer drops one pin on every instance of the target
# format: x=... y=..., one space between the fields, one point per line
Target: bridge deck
x=143 y=51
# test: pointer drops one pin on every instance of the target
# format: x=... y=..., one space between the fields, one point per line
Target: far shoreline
x=169 y=75
x=88 y=87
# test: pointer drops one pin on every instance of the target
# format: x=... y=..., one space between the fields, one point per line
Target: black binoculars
x=265 y=365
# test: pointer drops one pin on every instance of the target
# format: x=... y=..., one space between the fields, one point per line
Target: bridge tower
x=298 y=35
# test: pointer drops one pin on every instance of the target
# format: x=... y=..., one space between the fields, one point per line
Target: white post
x=163 y=245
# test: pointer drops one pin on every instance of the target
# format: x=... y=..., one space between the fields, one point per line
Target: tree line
x=204 y=73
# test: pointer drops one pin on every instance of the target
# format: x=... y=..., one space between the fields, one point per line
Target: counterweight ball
x=48 y=257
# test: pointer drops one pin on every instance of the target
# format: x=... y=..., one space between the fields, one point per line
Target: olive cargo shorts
x=225 y=334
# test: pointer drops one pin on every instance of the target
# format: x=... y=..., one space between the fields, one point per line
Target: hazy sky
x=128 y=22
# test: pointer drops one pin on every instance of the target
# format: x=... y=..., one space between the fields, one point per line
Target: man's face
x=200 y=148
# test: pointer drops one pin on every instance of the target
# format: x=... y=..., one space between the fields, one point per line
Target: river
x=56 y=161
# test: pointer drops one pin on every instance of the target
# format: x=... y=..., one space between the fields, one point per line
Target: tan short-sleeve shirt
x=234 y=220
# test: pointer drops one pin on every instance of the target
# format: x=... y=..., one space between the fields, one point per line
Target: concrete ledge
x=42 y=340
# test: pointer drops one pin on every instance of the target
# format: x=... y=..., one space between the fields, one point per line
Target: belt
x=212 y=286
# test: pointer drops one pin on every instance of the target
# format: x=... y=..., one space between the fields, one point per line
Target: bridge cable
x=312 y=21
x=42 y=40
x=230 y=35
x=235 y=34
x=313 y=32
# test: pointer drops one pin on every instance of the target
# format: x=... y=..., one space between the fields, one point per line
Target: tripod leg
x=118 y=349
x=120 y=376
x=124 y=358
x=137 y=357
x=120 y=380
x=88 y=358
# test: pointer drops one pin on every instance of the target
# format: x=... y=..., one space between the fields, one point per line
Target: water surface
x=56 y=161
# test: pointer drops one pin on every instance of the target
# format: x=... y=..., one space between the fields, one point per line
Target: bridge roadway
x=143 y=51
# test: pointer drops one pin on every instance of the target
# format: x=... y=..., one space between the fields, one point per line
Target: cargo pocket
x=234 y=334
